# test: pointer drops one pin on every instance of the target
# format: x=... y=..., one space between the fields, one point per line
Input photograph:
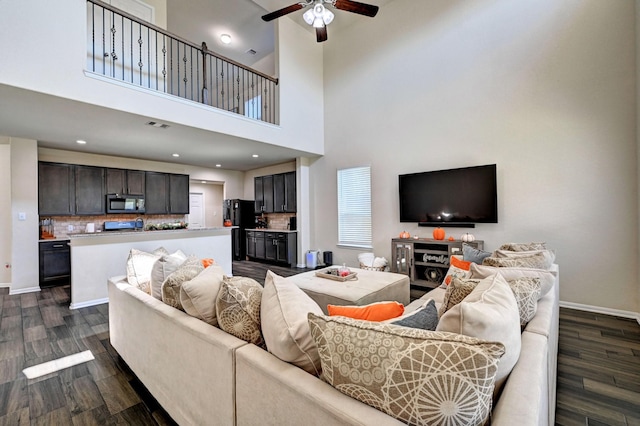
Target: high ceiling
x=57 y=123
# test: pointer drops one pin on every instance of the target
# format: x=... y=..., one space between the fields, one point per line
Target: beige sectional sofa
x=202 y=375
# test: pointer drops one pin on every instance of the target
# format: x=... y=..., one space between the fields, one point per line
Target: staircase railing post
x=205 y=91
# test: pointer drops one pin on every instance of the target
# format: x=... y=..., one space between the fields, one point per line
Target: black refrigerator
x=241 y=214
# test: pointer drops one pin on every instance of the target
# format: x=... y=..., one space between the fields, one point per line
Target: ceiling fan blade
x=357 y=7
x=284 y=11
x=321 y=34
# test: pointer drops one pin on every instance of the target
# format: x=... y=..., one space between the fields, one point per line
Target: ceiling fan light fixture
x=328 y=17
x=318 y=23
x=225 y=38
x=308 y=17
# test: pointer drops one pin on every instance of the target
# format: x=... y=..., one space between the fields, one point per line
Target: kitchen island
x=95 y=257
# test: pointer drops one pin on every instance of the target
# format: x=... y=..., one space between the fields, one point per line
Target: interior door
x=196 y=210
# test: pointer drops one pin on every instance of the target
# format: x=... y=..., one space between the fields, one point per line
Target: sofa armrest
x=524 y=400
x=273 y=392
x=186 y=364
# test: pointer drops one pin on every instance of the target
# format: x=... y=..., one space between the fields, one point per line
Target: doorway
x=196 y=210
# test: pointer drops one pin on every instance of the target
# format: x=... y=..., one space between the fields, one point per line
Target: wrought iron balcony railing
x=131 y=50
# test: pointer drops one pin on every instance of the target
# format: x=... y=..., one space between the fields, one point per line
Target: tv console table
x=425 y=260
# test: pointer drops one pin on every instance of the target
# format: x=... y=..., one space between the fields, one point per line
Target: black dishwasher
x=55 y=262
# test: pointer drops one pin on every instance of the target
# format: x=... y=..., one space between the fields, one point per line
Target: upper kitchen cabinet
x=166 y=193
x=56 y=195
x=178 y=194
x=121 y=181
x=275 y=193
x=156 y=194
x=89 y=190
x=263 y=187
x=284 y=193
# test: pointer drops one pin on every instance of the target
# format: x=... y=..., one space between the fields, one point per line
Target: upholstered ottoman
x=370 y=287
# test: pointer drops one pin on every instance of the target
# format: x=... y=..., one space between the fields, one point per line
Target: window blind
x=354 y=207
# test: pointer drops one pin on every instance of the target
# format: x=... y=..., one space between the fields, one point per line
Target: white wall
x=5 y=211
x=300 y=74
x=544 y=88
x=24 y=199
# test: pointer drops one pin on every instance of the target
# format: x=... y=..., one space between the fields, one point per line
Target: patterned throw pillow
x=458 y=268
x=162 y=268
x=537 y=261
x=238 y=309
x=547 y=278
x=189 y=269
x=456 y=292
x=523 y=246
x=527 y=292
x=413 y=375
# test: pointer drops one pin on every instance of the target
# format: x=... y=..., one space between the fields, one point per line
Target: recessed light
x=203 y=181
x=176 y=155
x=255 y=156
x=81 y=142
x=225 y=38
x=218 y=165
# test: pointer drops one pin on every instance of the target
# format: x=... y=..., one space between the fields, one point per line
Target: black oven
x=121 y=203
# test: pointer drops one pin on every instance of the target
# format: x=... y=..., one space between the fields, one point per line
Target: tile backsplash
x=278 y=220
x=61 y=224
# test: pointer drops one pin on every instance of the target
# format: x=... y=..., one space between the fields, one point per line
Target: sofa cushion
x=523 y=246
x=527 y=293
x=139 y=266
x=490 y=312
x=456 y=292
x=472 y=254
x=537 y=261
x=416 y=376
x=238 y=309
x=547 y=278
x=378 y=311
x=424 y=317
x=189 y=269
x=198 y=295
x=458 y=268
x=285 y=328
x=162 y=268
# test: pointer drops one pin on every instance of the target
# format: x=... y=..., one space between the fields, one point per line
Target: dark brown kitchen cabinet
x=284 y=193
x=121 y=181
x=178 y=194
x=166 y=193
x=89 y=190
x=263 y=192
x=156 y=193
x=56 y=194
x=278 y=247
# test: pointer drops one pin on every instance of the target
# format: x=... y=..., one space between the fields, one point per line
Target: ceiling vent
x=156 y=124
x=251 y=52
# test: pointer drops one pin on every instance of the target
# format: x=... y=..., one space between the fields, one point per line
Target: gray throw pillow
x=472 y=254
x=425 y=317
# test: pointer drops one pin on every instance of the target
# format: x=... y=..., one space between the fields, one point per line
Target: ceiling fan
x=319 y=16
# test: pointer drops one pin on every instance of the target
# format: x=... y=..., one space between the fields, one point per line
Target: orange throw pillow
x=207 y=262
x=378 y=311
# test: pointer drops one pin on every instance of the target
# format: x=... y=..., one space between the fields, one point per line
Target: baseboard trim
x=601 y=310
x=89 y=303
x=301 y=265
x=24 y=290
x=5 y=285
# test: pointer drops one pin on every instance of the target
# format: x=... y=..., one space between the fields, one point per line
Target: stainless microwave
x=121 y=203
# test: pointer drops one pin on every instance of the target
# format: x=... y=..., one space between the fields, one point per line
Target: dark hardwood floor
x=598 y=365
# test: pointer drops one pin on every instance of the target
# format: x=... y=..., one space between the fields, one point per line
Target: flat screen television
x=455 y=197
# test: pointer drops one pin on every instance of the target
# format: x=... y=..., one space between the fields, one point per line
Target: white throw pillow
x=162 y=268
x=198 y=296
x=490 y=313
x=547 y=278
x=139 y=265
x=549 y=255
x=285 y=326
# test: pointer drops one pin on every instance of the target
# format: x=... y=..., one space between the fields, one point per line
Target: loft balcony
x=128 y=49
